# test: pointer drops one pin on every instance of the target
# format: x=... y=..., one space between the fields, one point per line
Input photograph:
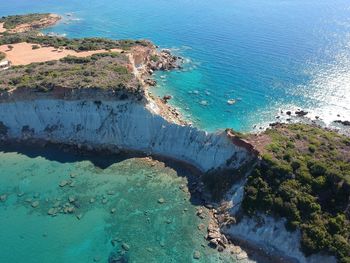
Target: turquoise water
x=117 y=202
x=266 y=54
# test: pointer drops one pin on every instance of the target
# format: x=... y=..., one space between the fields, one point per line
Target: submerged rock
x=125 y=246
x=161 y=200
x=116 y=258
x=201 y=226
x=204 y=103
x=197 y=255
x=110 y=192
x=52 y=211
x=63 y=183
x=3 y=197
x=35 y=204
x=97 y=259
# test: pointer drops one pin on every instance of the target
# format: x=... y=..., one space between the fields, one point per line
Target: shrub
x=308 y=186
x=2 y=56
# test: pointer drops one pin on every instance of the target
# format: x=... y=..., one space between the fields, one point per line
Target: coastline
x=158 y=107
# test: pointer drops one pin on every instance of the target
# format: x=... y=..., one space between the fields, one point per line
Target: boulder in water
x=345 y=123
x=3 y=197
x=125 y=246
x=52 y=211
x=196 y=255
x=301 y=113
x=63 y=183
x=35 y=204
x=231 y=101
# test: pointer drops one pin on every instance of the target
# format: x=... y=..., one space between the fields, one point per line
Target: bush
x=2 y=56
x=308 y=186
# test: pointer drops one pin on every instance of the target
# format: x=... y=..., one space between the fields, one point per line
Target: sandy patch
x=23 y=54
x=2 y=29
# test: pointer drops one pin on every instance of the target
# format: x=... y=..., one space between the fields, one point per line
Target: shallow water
x=266 y=54
x=153 y=231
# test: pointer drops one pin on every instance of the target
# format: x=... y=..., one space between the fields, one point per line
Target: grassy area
x=83 y=44
x=304 y=176
x=11 y=22
x=2 y=55
x=103 y=71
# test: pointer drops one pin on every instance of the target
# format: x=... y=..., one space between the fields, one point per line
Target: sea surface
x=267 y=55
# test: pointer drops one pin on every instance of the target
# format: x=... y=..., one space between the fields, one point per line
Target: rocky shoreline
x=303 y=116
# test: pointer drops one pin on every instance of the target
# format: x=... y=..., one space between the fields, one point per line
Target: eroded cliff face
x=271 y=235
x=118 y=124
x=267 y=232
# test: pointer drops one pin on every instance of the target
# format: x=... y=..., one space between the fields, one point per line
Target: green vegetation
x=304 y=176
x=10 y=22
x=103 y=71
x=83 y=44
x=2 y=55
x=154 y=58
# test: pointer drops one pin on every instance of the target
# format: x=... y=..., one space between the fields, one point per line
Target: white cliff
x=118 y=124
x=268 y=233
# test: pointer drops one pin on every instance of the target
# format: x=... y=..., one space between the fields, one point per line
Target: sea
x=263 y=56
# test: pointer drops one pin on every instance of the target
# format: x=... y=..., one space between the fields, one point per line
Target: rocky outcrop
x=49 y=20
x=266 y=232
x=345 y=123
x=119 y=124
x=271 y=235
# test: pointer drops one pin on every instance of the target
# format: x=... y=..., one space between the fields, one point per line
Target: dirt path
x=24 y=54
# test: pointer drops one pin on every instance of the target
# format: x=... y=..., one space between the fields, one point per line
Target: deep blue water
x=266 y=54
